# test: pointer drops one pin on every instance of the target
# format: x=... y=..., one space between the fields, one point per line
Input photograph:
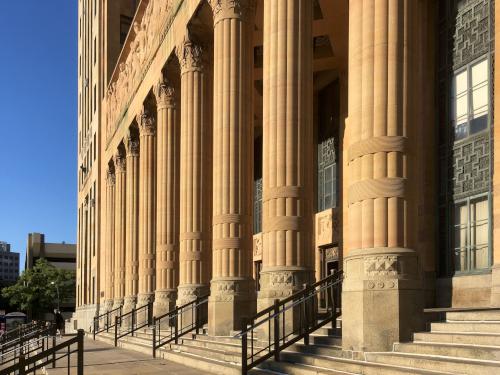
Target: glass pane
x=461 y=109
x=480 y=100
x=481 y=258
x=479 y=73
x=460 y=83
x=460 y=131
x=460 y=237
x=479 y=233
x=478 y=124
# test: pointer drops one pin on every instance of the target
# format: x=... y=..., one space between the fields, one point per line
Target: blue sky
x=38 y=123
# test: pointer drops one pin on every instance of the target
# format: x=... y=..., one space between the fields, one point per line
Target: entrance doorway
x=329 y=263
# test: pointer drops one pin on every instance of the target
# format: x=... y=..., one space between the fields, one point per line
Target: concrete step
x=331 y=351
x=488 y=353
x=223 y=339
x=233 y=347
x=458 y=338
x=479 y=315
x=326 y=340
x=299 y=369
x=452 y=365
x=219 y=355
x=355 y=366
x=476 y=327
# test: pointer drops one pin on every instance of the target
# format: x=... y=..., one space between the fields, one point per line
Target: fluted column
x=110 y=228
x=195 y=181
x=132 y=221
x=147 y=253
x=232 y=291
x=381 y=294
x=119 y=270
x=167 y=198
x=288 y=254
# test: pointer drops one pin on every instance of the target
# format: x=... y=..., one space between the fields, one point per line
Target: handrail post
x=197 y=312
x=150 y=313
x=80 y=352
x=107 y=321
x=22 y=365
x=54 y=352
x=244 y=355
x=305 y=319
x=276 y=330
x=93 y=333
x=116 y=330
x=176 y=330
x=154 y=337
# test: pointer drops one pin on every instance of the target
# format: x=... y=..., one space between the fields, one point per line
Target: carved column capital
x=164 y=93
x=110 y=177
x=190 y=55
x=223 y=9
x=120 y=164
x=146 y=122
x=131 y=145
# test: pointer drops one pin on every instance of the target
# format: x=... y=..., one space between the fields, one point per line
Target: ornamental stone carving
x=120 y=163
x=190 y=55
x=132 y=145
x=257 y=247
x=385 y=265
x=223 y=9
x=110 y=177
x=230 y=290
x=146 y=122
x=164 y=93
x=327 y=227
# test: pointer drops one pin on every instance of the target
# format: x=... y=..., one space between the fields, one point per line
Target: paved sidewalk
x=103 y=359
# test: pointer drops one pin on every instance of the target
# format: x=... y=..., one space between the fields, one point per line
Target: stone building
x=244 y=148
x=9 y=264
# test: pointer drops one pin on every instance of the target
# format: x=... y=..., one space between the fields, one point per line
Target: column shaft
x=232 y=293
x=167 y=198
x=287 y=149
x=376 y=294
x=109 y=249
x=147 y=214
x=119 y=270
x=195 y=181
x=132 y=220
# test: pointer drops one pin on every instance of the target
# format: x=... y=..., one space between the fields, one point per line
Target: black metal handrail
x=134 y=325
x=41 y=330
x=21 y=330
x=303 y=305
x=180 y=321
x=107 y=319
x=31 y=360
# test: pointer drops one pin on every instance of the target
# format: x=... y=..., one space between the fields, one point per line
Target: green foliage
x=35 y=292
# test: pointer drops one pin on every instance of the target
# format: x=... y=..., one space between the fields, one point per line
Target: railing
x=21 y=330
x=179 y=321
x=303 y=320
x=37 y=354
x=106 y=318
x=134 y=325
x=25 y=336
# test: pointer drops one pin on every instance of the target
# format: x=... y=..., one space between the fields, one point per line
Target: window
x=471 y=235
x=470 y=99
x=257 y=186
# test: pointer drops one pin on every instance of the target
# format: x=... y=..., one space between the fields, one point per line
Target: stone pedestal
x=381 y=298
x=495 y=285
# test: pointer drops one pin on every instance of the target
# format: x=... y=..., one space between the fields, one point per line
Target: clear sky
x=38 y=120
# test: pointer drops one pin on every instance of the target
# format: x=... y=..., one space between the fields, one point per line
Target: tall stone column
x=147 y=253
x=195 y=181
x=167 y=198
x=382 y=297
x=232 y=291
x=110 y=228
x=119 y=270
x=288 y=251
x=131 y=223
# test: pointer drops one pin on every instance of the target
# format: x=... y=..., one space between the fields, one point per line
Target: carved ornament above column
x=132 y=145
x=223 y=9
x=190 y=55
x=120 y=164
x=146 y=122
x=164 y=93
x=110 y=177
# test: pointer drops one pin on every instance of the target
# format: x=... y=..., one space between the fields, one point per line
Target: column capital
x=110 y=177
x=164 y=93
x=146 y=122
x=223 y=9
x=120 y=164
x=190 y=55
x=132 y=145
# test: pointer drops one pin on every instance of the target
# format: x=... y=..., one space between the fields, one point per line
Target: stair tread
x=437 y=357
x=451 y=345
x=460 y=333
x=306 y=367
x=376 y=364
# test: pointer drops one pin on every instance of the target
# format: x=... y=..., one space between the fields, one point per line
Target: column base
x=230 y=300
x=164 y=301
x=142 y=300
x=129 y=303
x=187 y=293
x=495 y=286
x=117 y=302
x=382 y=298
x=108 y=306
x=279 y=283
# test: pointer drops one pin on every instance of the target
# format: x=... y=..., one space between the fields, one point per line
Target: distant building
x=9 y=264
x=60 y=255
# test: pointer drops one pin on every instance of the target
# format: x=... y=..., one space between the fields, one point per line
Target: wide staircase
x=460 y=342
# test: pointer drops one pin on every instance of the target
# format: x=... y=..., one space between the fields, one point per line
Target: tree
x=35 y=291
